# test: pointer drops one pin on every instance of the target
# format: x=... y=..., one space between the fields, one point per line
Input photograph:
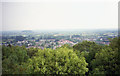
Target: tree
x=59 y=61
x=13 y=57
x=67 y=46
x=104 y=62
x=107 y=60
x=88 y=49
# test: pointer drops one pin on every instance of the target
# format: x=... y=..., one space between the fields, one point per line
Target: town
x=55 y=39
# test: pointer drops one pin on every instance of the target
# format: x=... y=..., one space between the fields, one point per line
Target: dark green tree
x=13 y=57
x=107 y=61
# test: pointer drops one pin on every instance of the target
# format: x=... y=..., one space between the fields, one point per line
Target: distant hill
x=27 y=31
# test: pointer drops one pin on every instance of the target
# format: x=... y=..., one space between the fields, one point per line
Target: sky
x=59 y=15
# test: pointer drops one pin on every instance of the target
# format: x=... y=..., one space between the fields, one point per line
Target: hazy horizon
x=59 y=15
x=67 y=30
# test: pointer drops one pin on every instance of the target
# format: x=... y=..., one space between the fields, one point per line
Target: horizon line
x=63 y=29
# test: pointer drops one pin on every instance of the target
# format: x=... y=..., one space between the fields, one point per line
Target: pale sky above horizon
x=59 y=15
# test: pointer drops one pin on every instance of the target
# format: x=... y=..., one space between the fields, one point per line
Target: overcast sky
x=55 y=15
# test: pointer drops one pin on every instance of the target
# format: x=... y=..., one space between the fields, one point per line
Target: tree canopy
x=87 y=58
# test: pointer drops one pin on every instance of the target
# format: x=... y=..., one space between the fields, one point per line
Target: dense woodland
x=86 y=58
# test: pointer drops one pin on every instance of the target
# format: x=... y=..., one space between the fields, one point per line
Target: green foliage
x=107 y=60
x=31 y=51
x=88 y=50
x=115 y=43
x=19 y=60
x=60 y=61
x=67 y=46
x=86 y=58
x=12 y=57
x=101 y=59
x=84 y=46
